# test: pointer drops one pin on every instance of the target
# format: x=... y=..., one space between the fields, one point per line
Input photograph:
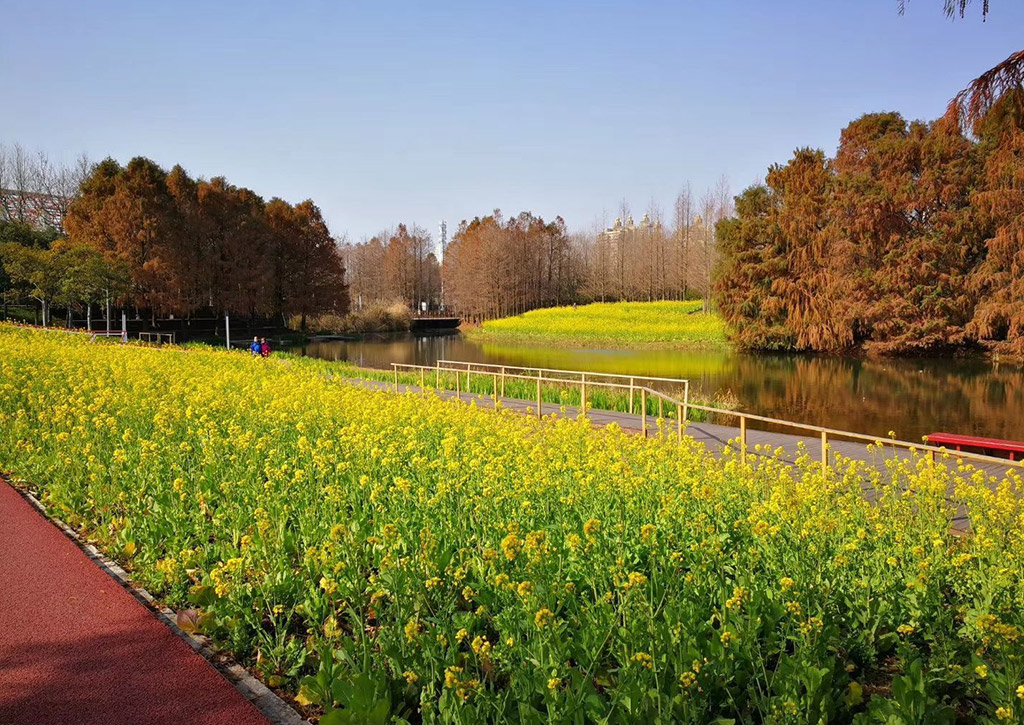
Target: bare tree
x=683 y=229
x=35 y=189
x=715 y=205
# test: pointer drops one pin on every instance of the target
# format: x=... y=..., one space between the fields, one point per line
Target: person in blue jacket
x=254 y=347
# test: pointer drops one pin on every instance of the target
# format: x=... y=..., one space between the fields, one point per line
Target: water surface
x=911 y=397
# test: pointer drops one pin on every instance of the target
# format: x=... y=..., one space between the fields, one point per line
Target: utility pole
x=443 y=238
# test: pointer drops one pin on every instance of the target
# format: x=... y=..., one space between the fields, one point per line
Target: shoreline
x=478 y=334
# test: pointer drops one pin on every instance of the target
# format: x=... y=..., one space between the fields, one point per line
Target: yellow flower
x=787 y=583
x=410 y=676
x=1003 y=713
x=635 y=579
x=554 y=683
x=481 y=646
x=644 y=660
x=739 y=595
x=511 y=545
x=591 y=527
x=905 y=629
x=687 y=679
x=1020 y=692
x=981 y=671
x=451 y=676
x=543 y=617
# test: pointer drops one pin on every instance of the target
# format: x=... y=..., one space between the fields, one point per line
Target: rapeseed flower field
x=392 y=557
x=614 y=324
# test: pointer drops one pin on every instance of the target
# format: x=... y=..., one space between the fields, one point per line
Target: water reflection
x=911 y=397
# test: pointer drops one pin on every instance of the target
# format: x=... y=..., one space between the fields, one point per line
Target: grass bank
x=399 y=558
x=611 y=324
x=552 y=393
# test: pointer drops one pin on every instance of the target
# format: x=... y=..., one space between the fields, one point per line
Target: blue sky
x=384 y=112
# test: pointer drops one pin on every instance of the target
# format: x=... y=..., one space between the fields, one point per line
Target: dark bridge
x=420 y=324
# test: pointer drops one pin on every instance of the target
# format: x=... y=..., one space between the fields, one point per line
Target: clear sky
x=384 y=112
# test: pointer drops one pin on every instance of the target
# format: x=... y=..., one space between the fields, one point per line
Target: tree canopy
x=192 y=245
x=908 y=241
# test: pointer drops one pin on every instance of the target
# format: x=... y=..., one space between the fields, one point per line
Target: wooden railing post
x=643 y=411
x=583 y=394
x=495 y=396
x=396 y=376
x=824 y=452
x=538 y=396
x=631 y=386
x=468 y=388
x=503 y=381
x=458 y=384
x=686 y=400
x=743 y=439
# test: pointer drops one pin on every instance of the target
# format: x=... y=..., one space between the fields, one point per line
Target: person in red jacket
x=264 y=347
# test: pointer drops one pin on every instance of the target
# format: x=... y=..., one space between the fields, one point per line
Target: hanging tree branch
x=973 y=102
x=953 y=8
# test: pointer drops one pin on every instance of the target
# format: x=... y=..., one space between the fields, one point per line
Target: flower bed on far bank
x=612 y=324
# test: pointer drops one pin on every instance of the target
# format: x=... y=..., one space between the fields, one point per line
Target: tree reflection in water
x=909 y=396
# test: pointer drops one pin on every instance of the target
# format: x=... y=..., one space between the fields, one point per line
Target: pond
x=912 y=397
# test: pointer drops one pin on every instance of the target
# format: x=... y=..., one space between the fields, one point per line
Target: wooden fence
x=637 y=388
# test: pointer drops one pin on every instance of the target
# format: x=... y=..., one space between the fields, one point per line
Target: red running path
x=75 y=647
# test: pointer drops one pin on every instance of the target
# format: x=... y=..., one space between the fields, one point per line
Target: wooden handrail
x=566 y=372
x=684 y=406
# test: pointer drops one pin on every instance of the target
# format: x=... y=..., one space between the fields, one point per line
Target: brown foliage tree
x=208 y=245
x=495 y=267
x=884 y=246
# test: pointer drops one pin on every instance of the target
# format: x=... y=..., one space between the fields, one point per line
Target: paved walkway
x=77 y=648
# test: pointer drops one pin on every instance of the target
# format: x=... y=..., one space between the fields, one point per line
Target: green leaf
x=854 y=695
x=337 y=717
x=308 y=695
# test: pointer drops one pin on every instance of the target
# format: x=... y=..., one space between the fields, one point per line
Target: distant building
x=42 y=211
x=619 y=235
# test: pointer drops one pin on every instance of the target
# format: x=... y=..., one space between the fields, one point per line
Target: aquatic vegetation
x=389 y=556
x=663 y=324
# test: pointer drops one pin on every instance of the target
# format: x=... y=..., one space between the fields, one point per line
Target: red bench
x=974 y=444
